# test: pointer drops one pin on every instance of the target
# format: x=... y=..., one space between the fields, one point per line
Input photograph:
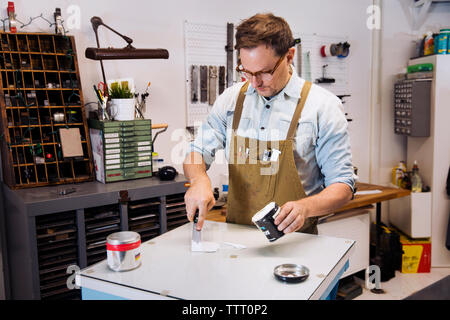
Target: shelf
x=419 y=3
x=33 y=52
x=40 y=70
x=32 y=61
x=419 y=11
x=56 y=236
x=47 y=125
x=31 y=70
x=33 y=89
x=45 y=107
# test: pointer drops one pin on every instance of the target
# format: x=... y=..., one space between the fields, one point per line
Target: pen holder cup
x=124 y=109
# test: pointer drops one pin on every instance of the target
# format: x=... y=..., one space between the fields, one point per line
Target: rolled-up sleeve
x=333 y=151
x=211 y=135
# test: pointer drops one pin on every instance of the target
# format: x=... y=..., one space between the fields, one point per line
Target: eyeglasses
x=262 y=75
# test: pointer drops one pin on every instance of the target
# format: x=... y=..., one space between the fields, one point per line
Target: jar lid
x=123 y=237
x=292 y=273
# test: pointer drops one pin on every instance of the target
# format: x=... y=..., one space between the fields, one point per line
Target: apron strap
x=298 y=110
x=239 y=106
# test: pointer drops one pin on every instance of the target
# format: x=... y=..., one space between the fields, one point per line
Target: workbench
x=47 y=231
x=170 y=270
x=351 y=221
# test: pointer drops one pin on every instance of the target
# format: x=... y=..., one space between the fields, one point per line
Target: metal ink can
x=265 y=221
x=123 y=250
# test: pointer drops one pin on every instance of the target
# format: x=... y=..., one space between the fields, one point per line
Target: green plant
x=120 y=90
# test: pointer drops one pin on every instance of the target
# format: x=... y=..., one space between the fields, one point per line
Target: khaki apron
x=251 y=186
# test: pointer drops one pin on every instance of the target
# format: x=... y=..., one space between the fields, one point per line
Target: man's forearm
x=328 y=200
x=194 y=167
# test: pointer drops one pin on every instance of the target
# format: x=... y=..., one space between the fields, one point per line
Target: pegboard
x=312 y=65
x=205 y=45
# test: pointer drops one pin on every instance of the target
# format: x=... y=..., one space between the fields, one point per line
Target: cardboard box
x=416 y=256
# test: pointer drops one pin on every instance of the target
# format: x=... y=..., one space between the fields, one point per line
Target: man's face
x=263 y=58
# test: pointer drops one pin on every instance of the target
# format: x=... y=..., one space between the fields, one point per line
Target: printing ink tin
x=264 y=220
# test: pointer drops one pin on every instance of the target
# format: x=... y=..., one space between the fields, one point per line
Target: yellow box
x=416 y=257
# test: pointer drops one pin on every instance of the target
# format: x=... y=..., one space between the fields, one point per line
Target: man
x=285 y=139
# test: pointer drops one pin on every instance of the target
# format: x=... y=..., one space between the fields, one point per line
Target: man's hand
x=199 y=196
x=292 y=216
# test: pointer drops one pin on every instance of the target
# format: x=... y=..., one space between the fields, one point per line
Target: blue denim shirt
x=322 y=151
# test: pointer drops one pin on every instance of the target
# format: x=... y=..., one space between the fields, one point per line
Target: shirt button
x=267 y=107
x=262 y=128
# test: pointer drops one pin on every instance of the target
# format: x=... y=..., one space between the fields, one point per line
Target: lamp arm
x=97 y=21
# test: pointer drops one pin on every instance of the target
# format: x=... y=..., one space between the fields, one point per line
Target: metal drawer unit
x=144 y=218
x=412 y=100
x=56 y=236
x=175 y=211
x=47 y=232
x=99 y=223
x=122 y=149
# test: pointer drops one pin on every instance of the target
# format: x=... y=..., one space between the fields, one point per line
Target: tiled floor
x=404 y=284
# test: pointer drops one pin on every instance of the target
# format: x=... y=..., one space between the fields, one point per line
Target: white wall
x=159 y=24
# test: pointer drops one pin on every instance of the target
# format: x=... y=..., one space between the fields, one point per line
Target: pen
x=98 y=96
x=101 y=96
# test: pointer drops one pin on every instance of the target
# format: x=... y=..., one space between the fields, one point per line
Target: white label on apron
x=275 y=154
x=112 y=140
x=114 y=145
x=144 y=148
x=113 y=156
x=111 y=135
x=144 y=143
x=111 y=151
x=117 y=166
x=112 y=161
x=145 y=163
x=266 y=154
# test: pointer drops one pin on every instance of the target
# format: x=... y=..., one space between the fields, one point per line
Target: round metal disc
x=292 y=273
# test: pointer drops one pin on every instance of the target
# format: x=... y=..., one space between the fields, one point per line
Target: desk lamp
x=128 y=52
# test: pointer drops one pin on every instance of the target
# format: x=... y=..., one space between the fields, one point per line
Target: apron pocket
x=268 y=172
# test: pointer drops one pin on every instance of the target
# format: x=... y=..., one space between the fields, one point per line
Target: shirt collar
x=292 y=88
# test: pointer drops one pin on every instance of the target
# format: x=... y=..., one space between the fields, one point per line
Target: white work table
x=170 y=270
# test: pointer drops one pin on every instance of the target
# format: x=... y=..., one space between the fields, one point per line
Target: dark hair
x=264 y=29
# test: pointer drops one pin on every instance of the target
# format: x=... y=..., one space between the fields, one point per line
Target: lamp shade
x=125 y=53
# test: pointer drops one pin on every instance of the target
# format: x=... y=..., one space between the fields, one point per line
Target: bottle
x=429 y=44
x=406 y=181
x=58 y=21
x=441 y=45
x=417 y=44
x=224 y=182
x=398 y=173
x=416 y=181
x=157 y=162
x=12 y=17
